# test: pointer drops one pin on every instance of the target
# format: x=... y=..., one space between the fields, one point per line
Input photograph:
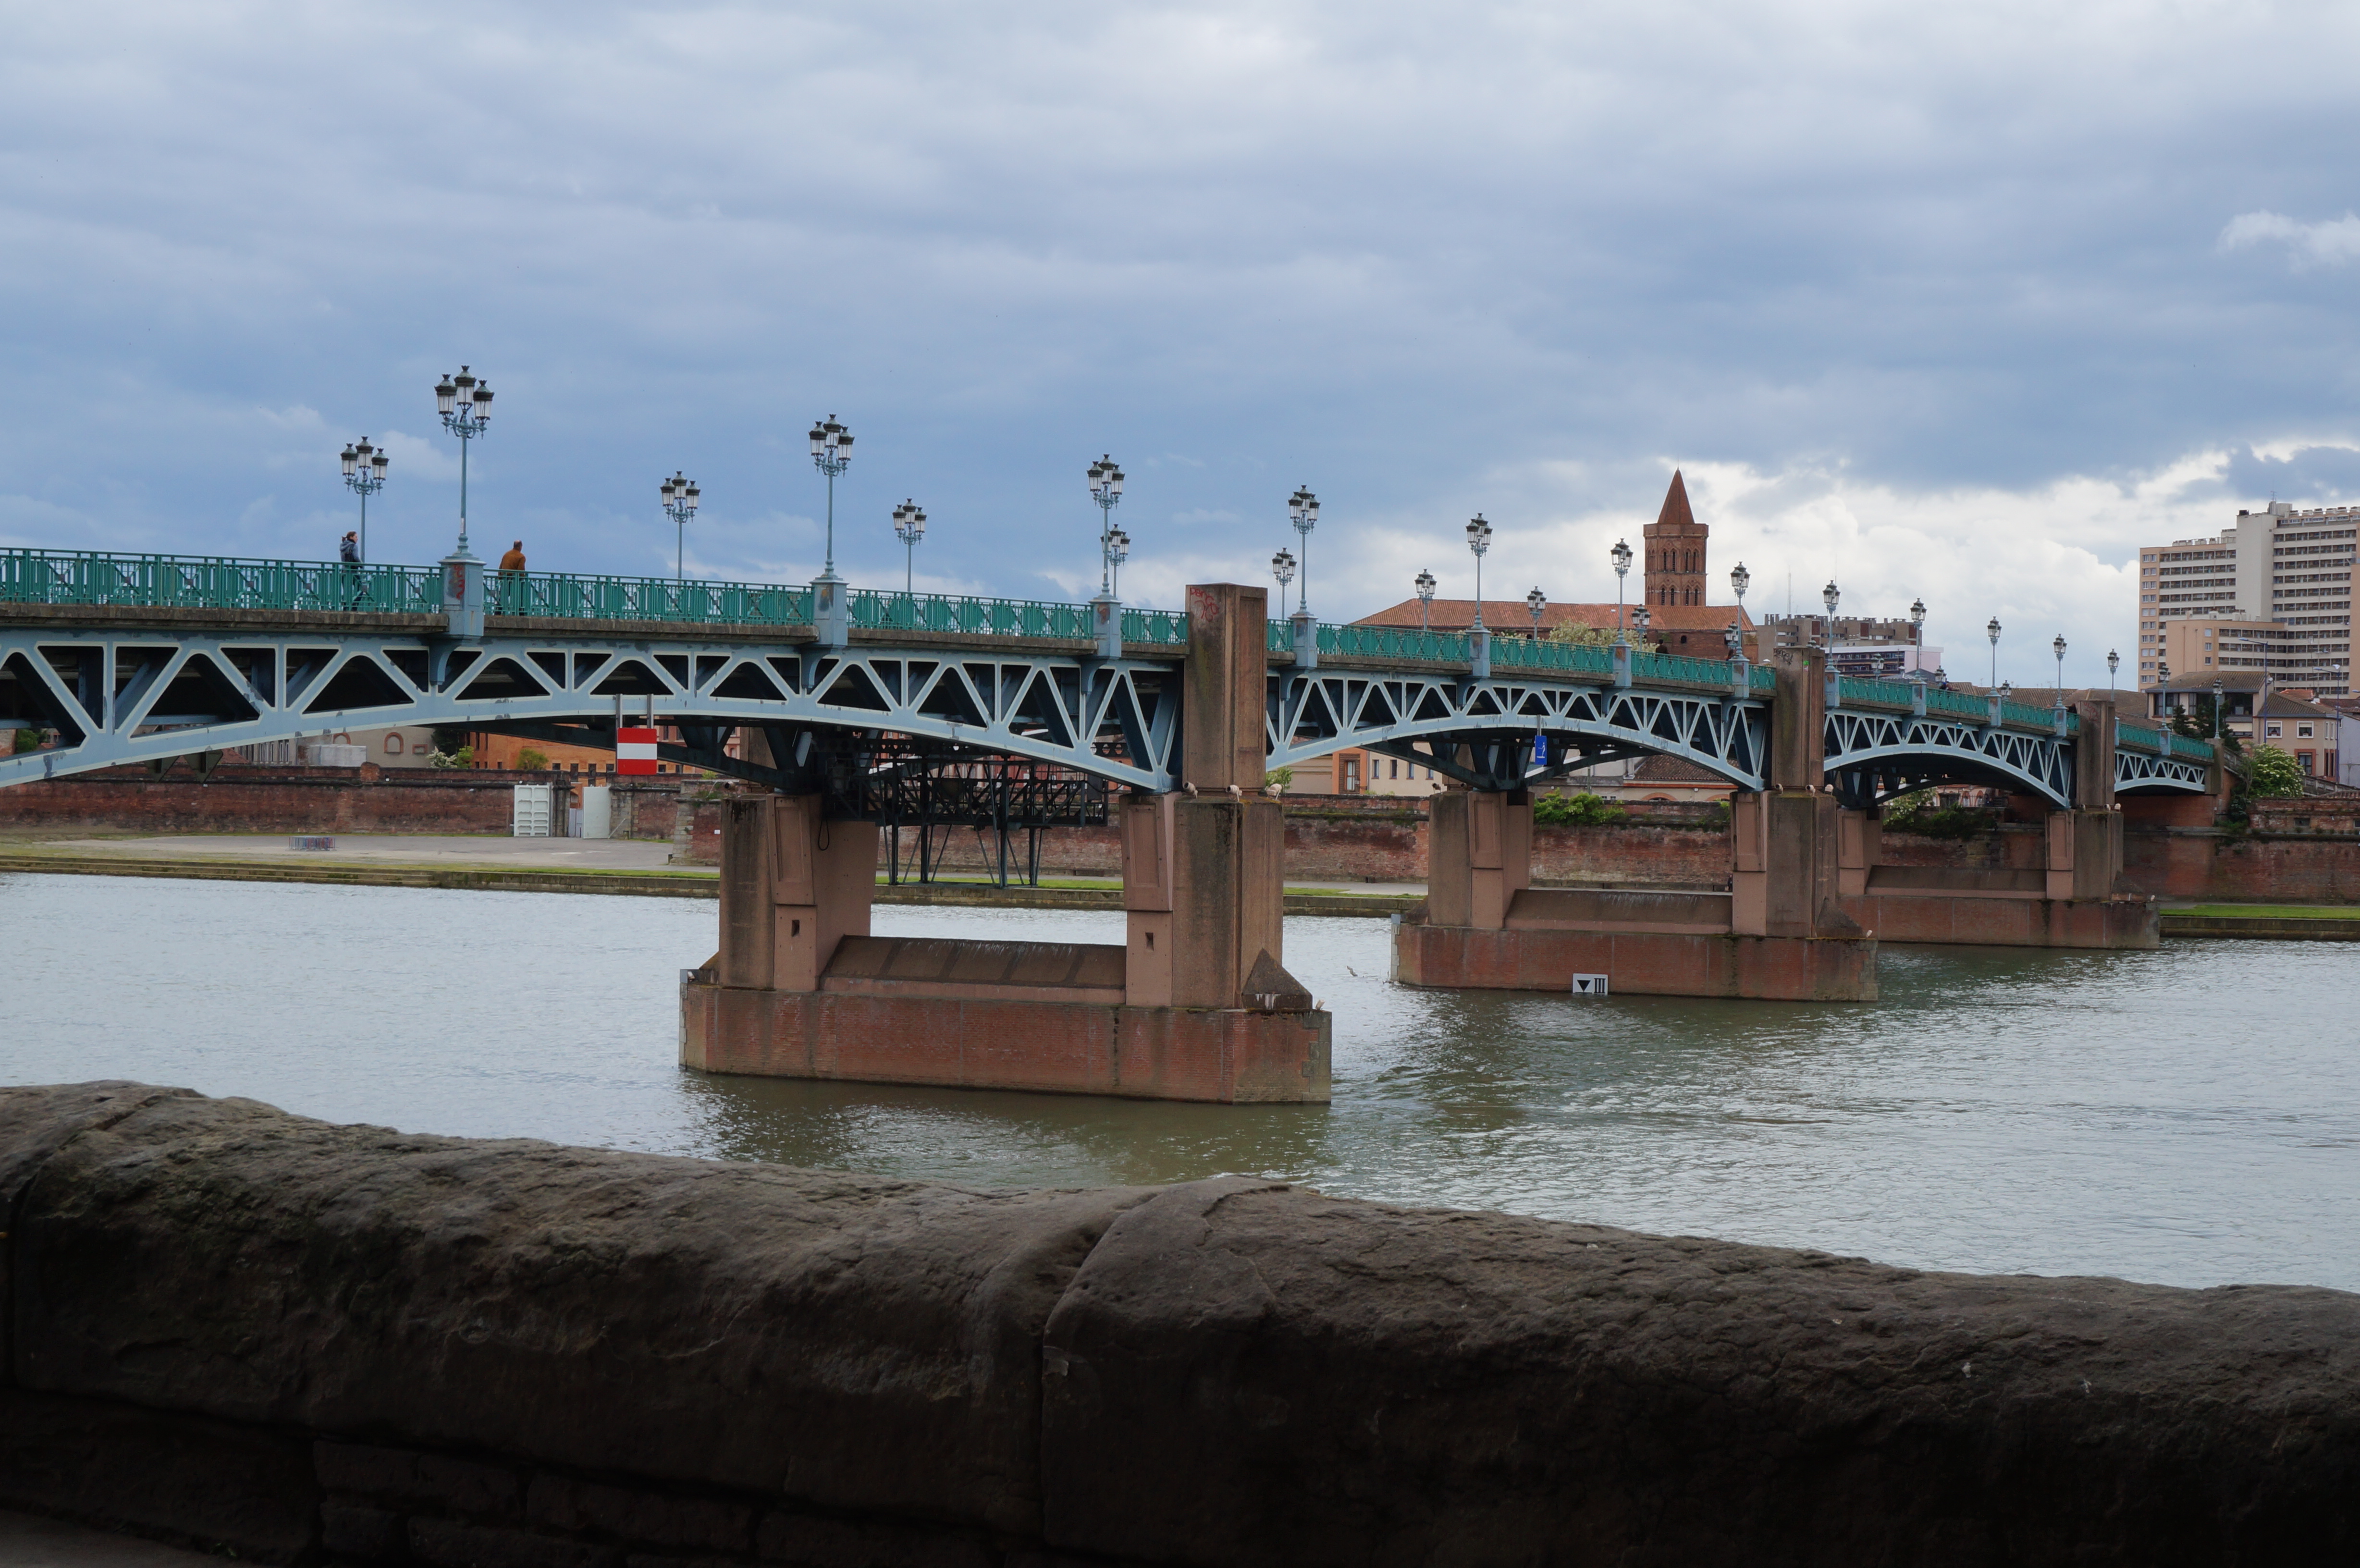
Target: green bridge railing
x=218 y=583
x=211 y=582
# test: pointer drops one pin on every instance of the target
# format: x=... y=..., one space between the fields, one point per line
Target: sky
x=1959 y=302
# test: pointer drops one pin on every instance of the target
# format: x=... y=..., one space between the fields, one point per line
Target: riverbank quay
x=137 y=858
x=2266 y=922
x=252 y=1332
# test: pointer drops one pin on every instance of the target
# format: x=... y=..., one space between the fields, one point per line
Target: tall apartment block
x=2272 y=596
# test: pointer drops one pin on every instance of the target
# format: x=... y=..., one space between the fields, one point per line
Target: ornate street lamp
x=2216 y=707
x=1621 y=556
x=909 y=527
x=465 y=404
x=679 y=495
x=1478 y=539
x=1282 y=566
x=1303 y=511
x=1105 y=489
x=1118 y=551
x=2163 y=687
x=1827 y=596
x=1642 y=617
x=2057 y=646
x=1425 y=600
x=1535 y=602
x=365 y=469
x=1991 y=631
x=831 y=450
x=2113 y=662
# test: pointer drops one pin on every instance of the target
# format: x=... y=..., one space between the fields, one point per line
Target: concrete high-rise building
x=2271 y=595
x=1675 y=549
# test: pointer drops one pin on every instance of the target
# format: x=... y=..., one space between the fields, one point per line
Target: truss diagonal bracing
x=1482 y=732
x=133 y=696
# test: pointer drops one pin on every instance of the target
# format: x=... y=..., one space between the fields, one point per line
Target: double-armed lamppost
x=1478 y=539
x=1118 y=551
x=679 y=494
x=2216 y=707
x=1535 y=602
x=465 y=404
x=1425 y=585
x=365 y=469
x=909 y=527
x=831 y=450
x=1282 y=566
x=1621 y=556
x=1991 y=631
x=1105 y=489
x=1303 y=511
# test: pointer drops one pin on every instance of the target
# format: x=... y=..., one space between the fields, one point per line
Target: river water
x=2190 y=1116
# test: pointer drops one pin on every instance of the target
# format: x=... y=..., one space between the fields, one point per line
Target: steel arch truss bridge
x=1497 y=721
x=138 y=695
x=1874 y=756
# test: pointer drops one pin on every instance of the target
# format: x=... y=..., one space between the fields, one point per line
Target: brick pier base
x=1227 y=1055
x=1661 y=963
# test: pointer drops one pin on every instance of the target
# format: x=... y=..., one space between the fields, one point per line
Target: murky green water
x=2190 y=1116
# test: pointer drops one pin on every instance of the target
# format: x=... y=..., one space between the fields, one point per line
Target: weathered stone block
x=640 y=1517
x=805 y=1541
x=420 y=1482
x=853 y=1341
x=364 y=1534
x=1312 y=1380
x=444 y=1543
x=203 y=1484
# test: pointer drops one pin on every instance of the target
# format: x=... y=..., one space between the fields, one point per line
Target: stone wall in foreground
x=303 y=1343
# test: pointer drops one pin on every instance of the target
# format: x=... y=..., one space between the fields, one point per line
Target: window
x=1392 y=769
x=2304 y=758
x=393 y=745
x=2275 y=731
x=2303 y=731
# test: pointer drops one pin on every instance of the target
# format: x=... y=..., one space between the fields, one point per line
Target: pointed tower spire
x=1676 y=550
x=1676 y=504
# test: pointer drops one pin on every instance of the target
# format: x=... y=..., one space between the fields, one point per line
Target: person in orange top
x=514 y=560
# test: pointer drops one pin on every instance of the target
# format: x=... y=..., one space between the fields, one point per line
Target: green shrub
x=531 y=759
x=1917 y=812
x=2273 y=773
x=1581 y=809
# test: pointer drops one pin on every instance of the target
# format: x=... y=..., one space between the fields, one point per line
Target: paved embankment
x=638 y=884
x=283 y=1339
x=2292 y=925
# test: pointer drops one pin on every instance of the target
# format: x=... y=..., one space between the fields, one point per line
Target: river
x=2189 y=1116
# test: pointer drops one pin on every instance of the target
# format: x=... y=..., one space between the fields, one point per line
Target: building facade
x=2270 y=595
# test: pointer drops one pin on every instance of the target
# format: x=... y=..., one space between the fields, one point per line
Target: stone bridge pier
x=1780 y=933
x=1196 y=1004
x=2069 y=899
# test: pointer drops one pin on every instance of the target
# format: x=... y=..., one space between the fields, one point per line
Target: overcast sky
x=1965 y=302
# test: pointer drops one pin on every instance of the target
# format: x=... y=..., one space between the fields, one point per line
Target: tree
x=531 y=759
x=1595 y=636
x=2274 y=775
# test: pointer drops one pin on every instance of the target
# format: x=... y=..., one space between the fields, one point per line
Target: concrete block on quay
x=253 y=1333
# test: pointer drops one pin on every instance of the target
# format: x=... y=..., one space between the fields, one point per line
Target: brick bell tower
x=1676 y=546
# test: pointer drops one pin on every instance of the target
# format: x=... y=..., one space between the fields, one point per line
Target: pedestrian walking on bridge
x=348 y=553
x=511 y=598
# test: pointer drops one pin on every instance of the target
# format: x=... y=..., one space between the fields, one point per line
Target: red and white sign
x=635 y=751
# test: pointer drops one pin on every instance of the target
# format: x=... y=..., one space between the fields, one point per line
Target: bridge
x=129 y=659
